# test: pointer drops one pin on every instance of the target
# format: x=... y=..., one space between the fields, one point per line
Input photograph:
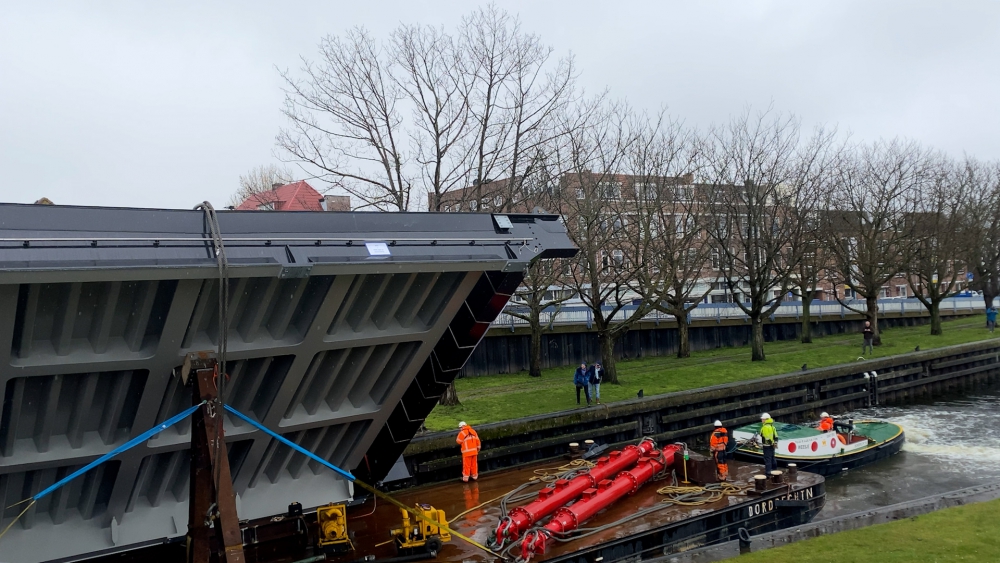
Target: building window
x=610 y=190
x=498 y=202
x=884 y=292
x=619 y=257
x=716 y=259
x=901 y=290
x=580 y=194
x=473 y=205
x=645 y=190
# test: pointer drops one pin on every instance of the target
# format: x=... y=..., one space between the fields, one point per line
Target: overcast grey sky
x=165 y=105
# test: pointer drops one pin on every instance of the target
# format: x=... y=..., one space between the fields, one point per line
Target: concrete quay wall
x=506 y=350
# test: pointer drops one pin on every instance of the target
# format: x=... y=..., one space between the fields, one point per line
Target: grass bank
x=960 y=534
x=504 y=397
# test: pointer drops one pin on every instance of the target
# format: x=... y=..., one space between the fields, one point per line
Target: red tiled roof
x=297 y=196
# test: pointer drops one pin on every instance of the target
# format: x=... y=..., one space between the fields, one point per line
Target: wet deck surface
x=455 y=497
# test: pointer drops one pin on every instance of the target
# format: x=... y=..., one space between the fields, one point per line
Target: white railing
x=819 y=310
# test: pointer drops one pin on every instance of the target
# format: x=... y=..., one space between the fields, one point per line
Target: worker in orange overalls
x=718 y=443
x=469 y=441
x=825 y=422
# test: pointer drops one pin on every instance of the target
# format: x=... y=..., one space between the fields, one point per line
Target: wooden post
x=200 y=370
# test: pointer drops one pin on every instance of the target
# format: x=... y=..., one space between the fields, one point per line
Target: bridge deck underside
x=338 y=350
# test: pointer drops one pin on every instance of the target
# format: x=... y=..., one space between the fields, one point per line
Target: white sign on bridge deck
x=377 y=248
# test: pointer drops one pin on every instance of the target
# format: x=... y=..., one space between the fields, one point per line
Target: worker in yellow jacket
x=769 y=441
x=470 y=444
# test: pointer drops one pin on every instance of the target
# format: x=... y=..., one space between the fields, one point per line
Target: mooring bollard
x=574 y=448
x=793 y=472
x=760 y=482
x=776 y=477
x=745 y=538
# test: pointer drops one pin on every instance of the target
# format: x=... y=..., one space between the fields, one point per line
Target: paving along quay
x=341 y=336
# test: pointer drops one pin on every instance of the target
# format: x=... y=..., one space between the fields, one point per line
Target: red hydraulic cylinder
x=563 y=491
x=594 y=500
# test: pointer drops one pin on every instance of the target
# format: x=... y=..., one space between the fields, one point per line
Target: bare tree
x=598 y=138
x=934 y=269
x=514 y=92
x=808 y=272
x=671 y=217
x=542 y=288
x=545 y=281
x=981 y=226
x=259 y=184
x=752 y=164
x=346 y=122
x=814 y=173
x=866 y=219
x=430 y=76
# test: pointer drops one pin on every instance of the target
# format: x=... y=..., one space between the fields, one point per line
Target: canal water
x=950 y=444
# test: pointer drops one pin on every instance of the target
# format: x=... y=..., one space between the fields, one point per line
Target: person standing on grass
x=869 y=335
x=991 y=318
x=580 y=380
x=596 y=374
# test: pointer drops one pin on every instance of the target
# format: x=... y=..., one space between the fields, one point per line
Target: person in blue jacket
x=991 y=318
x=581 y=381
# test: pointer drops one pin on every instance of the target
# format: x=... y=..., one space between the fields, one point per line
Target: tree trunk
x=935 y=310
x=757 y=340
x=450 y=396
x=608 y=357
x=988 y=295
x=535 y=354
x=871 y=315
x=807 y=337
x=684 y=344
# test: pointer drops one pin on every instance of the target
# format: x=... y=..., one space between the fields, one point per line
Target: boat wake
x=962 y=432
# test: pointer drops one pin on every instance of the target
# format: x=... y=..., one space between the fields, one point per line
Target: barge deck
x=673 y=529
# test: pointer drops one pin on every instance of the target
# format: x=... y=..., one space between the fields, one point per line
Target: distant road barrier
x=820 y=310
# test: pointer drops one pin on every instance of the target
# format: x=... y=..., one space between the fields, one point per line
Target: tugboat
x=828 y=452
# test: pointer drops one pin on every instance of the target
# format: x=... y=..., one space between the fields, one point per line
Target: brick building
x=297 y=196
x=628 y=192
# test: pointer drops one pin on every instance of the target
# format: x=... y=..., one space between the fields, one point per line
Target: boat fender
x=841 y=439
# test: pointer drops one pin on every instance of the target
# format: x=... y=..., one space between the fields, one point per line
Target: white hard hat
x=765 y=416
x=461 y=424
x=718 y=423
x=824 y=415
